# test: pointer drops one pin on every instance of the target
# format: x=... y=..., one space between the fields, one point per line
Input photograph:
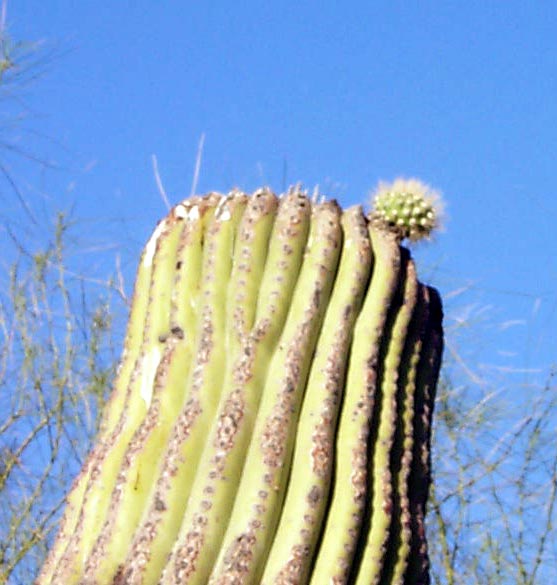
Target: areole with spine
x=270 y=421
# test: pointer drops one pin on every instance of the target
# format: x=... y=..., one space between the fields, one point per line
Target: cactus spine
x=271 y=417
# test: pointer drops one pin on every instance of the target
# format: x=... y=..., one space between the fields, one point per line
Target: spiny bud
x=407 y=207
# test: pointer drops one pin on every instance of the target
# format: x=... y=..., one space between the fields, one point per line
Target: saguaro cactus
x=270 y=421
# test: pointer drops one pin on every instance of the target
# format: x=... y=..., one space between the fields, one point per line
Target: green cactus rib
x=400 y=539
x=249 y=264
x=140 y=464
x=220 y=466
x=376 y=539
x=198 y=212
x=107 y=462
x=291 y=554
x=111 y=414
x=161 y=523
x=346 y=509
x=420 y=473
x=260 y=494
x=270 y=421
x=141 y=467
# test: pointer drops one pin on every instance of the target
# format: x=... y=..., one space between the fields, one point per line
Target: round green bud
x=408 y=208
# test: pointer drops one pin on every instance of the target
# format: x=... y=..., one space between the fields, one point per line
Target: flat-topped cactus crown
x=408 y=208
x=270 y=420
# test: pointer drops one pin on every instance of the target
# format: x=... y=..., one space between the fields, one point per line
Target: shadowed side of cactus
x=271 y=418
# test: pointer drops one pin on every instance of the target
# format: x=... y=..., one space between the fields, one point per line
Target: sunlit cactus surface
x=271 y=417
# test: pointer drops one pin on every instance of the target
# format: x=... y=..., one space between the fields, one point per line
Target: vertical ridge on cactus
x=420 y=473
x=381 y=476
x=302 y=515
x=107 y=462
x=154 y=539
x=141 y=466
x=111 y=414
x=346 y=510
x=216 y=482
x=271 y=417
x=400 y=539
x=267 y=463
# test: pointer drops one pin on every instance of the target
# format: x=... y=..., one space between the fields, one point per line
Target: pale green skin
x=375 y=541
x=163 y=517
x=211 y=465
x=290 y=557
x=217 y=476
x=108 y=458
x=264 y=478
x=111 y=415
x=142 y=465
x=344 y=518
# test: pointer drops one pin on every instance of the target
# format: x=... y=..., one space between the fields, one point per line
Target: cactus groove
x=271 y=417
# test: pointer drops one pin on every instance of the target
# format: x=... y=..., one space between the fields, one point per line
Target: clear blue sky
x=460 y=94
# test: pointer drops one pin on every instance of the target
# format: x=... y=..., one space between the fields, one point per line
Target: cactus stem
x=216 y=481
x=401 y=459
x=346 y=509
x=420 y=473
x=141 y=464
x=290 y=558
x=375 y=541
x=270 y=421
x=108 y=456
x=263 y=483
